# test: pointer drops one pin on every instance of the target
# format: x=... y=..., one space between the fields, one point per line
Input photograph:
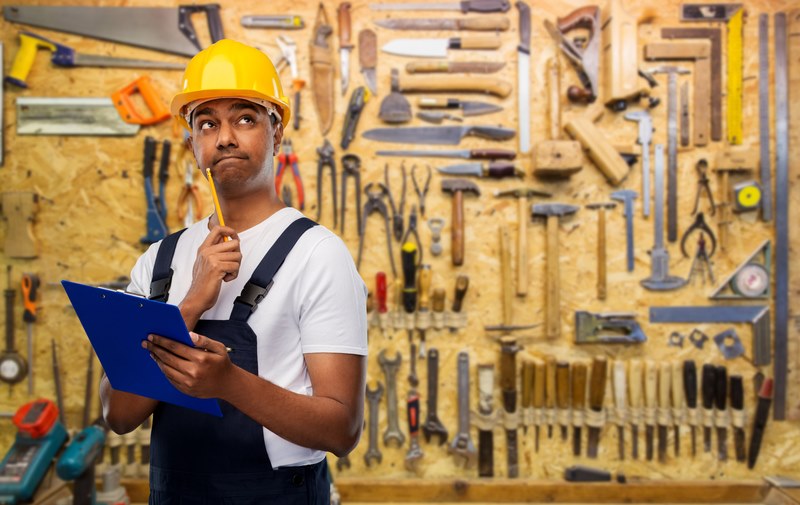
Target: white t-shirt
x=316 y=304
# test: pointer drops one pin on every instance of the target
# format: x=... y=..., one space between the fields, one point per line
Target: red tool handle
x=413 y=413
x=380 y=289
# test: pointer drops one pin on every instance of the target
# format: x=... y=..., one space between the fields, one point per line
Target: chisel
x=579 y=374
x=562 y=397
x=722 y=417
x=760 y=421
x=620 y=403
x=663 y=412
x=708 y=387
x=650 y=386
x=635 y=401
x=737 y=414
x=538 y=397
x=690 y=392
x=597 y=391
x=550 y=394
x=528 y=369
x=677 y=403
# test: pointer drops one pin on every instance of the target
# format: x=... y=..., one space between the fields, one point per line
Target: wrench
x=412 y=367
x=414 y=453
x=390 y=373
x=374 y=399
x=462 y=447
x=342 y=463
x=433 y=426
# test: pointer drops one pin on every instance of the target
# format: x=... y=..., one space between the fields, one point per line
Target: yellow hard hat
x=230 y=69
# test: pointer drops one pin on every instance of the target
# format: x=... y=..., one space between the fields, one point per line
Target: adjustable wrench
x=374 y=398
x=645 y=136
x=433 y=426
x=390 y=369
x=462 y=447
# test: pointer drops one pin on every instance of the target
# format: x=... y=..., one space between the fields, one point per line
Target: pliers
x=423 y=192
x=373 y=204
x=287 y=156
x=703 y=186
x=325 y=159
x=701 y=226
x=189 y=204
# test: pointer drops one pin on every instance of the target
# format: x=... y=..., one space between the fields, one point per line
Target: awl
x=468 y=108
x=494 y=170
x=438 y=48
x=450 y=135
x=468 y=154
x=466 y=6
x=597 y=391
x=481 y=23
x=345 y=46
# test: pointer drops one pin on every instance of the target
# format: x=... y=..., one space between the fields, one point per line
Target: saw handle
x=29 y=45
x=583 y=17
x=212 y=17
x=127 y=110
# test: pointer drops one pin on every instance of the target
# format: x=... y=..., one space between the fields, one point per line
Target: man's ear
x=188 y=143
x=277 y=136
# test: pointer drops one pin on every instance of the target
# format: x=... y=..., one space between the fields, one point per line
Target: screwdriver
x=409 y=261
x=30 y=284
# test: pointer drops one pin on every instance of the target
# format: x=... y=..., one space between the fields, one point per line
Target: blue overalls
x=201 y=459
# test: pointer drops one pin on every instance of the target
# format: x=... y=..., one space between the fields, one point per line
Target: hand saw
x=167 y=29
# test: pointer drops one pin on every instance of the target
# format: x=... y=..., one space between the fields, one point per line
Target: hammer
x=457 y=187
x=552 y=212
x=601 y=245
x=522 y=194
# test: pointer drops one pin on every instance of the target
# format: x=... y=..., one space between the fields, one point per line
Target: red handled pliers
x=286 y=157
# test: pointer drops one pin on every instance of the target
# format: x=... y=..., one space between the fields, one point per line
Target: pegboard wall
x=91 y=214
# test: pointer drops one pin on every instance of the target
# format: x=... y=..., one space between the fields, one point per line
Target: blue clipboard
x=116 y=323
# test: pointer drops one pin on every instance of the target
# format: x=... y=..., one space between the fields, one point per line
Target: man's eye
x=246 y=120
x=205 y=125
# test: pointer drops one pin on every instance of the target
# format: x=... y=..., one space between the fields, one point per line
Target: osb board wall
x=92 y=214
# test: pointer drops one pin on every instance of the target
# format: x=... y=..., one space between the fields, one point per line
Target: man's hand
x=203 y=371
x=216 y=261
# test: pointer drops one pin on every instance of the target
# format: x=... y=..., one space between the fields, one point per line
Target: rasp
x=690 y=392
x=580 y=372
x=466 y=6
x=708 y=388
x=620 y=404
x=663 y=412
x=677 y=403
x=562 y=397
x=635 y=400
x=508 y=386
x=467 y=154
x=345 y=46
x=524 y=78
x=722 y=418
x=760 y=421
x=650 y=390
x=449 y=135
x=737 y=415
x=481 y=23
x=595 y=415
x=468 y=107
x=493 y=170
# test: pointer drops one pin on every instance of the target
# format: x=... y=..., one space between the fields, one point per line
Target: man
x=291 y=374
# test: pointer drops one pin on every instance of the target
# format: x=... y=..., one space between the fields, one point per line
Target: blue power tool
x=77 y=463
x=40 y=436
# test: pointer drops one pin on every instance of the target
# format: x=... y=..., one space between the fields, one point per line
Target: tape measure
x=747 y=196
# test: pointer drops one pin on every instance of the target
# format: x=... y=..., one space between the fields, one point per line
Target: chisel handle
x=508 y=373
x=538 y=384
x=409 y=261
x=620 y=384
x=462 y=283
x=721 y=388
x=664 y=384
x=424 y=287
x=650 y=383
x=690 y=383
x=677 y=385
x=597 y=383
x=438 y=300
x=580 y=372
x=562 y=385
x=380 y=292
x=635 y=383
x=709 y=386
x=528 y=370
x=737 y=392
x=550 y=382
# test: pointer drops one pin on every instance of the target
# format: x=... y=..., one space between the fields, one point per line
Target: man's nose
x=226 y=136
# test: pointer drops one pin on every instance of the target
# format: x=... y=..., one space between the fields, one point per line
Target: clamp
x=421 y=194
x=703 y=186
x=397 y=212
x=699 y=225
x=351 y=167
x=325 y=159
x=288 y=49
x=375 y=203
x=288 y=157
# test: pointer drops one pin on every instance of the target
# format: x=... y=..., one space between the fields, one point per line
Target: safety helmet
x=230 y=69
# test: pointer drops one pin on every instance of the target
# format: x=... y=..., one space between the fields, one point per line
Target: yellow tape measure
x=734 y=63
x=748 y=196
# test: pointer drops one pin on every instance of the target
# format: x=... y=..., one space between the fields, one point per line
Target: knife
x=720 y=403
x=438 y=48
x=454 y=67
x=367 y=57
x=468 y=108
x=449 y=135
x=467 y=6
x=737 y=411
x=760 y=421
x=482 y=23
x=345 y=46
x=494 y=170
x=524 y=77
x=467 y=154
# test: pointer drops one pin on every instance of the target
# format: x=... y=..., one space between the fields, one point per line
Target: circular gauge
x=12 y=368
x=752 y=281
x=749 y=197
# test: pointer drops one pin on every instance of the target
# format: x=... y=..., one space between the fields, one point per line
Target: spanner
x=390 y=369
x=645 y=136
x=342 y=463
x=412 y=367
x=414 y=453
x=462 y=447
x=433 y=426
x=374 y=399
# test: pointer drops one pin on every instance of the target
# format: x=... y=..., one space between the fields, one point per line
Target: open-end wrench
x=374 y=399
x=462 y=447
x=342 y=463
x=433 y=426
x=414 y=453
x=390 y=369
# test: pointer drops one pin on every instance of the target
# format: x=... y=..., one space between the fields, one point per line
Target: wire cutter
x=703 y=186
x=288 y=157
x=421 y=193
x=189 y=204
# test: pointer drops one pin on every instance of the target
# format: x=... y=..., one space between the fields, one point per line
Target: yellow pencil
x=216 y=202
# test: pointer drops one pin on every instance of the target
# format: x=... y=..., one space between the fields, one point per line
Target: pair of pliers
x=288 y=157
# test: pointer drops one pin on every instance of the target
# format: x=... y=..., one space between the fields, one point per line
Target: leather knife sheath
x=322 y=73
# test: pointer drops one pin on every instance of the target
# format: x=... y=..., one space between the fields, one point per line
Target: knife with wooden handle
x=473 y=84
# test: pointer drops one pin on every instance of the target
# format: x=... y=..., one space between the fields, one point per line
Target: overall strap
x=261 y=281
x=162 y=270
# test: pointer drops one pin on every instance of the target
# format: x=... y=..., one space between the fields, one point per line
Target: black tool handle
x=462 y=283
x=10 y=294
x=690 y=383
x=500 y=169
x=163 y=168
x=413 y=413
x=357 y=101
x=721 y=388
x=709 y=385
x=485 y=6
x=760 y=421
x=737 y=392
x=149 y=157
x=409 y=260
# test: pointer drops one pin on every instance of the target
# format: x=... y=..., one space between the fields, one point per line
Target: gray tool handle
x=490 y=132
x=212 y=16
x=485 y=6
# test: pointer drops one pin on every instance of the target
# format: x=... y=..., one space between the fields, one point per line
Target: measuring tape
x=747 y=196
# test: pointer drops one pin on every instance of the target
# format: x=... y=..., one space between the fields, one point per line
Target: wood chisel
x=737 y=415
x=550 y=394
x=563 y=397
x=528 y=369
x=663 y=412
x=508 y=386
x=760 y=421
x=690 y=392
x=650 y=401
x=635 y=401
x=620 y=404
x=2 y=99
x=485 y=420
x=580 y=373
x=538 y=398
x=708 y=389
x=721 y=418
x=595 y=414
x=677 y=403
